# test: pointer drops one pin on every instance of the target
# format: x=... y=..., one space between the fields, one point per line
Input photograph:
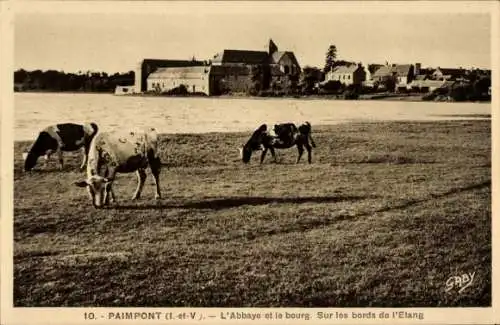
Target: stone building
x=196 y=79
x=229 y=71
x=148 y=66
x=235 y=71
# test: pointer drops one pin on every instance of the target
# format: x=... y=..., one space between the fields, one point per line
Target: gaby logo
x=460 y=282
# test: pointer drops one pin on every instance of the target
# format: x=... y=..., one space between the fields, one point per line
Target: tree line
x=52 y=80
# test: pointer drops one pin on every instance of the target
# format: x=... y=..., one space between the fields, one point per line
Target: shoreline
x=471 y=118
x=362 y=97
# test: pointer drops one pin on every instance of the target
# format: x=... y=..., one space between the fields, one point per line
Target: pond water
x=34 y=111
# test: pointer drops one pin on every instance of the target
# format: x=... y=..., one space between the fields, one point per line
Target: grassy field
x=384 y=216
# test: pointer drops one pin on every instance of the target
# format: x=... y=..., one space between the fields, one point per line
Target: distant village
x=276 y=73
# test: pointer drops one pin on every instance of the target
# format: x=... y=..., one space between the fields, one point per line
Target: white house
x=353 y=74
x=195 y=79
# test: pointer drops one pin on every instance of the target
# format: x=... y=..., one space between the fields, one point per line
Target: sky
x=115 y=41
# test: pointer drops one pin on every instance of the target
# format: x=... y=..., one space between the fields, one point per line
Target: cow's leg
x=112 y=193
x=273 y=153
x=263 y=155
x=155 y=165
x=300 y=148
x=60 y=158
x=109 y=194
x=141 y=178
x=312 y=141
x=106 y=193
x=48 y=153
x=309 y=152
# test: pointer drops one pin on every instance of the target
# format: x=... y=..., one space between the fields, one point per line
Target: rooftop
x=241 y=56
x=180 y=72
x=398 y=69
x=345 y=68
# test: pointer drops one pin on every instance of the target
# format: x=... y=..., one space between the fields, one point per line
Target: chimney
x=418 y=67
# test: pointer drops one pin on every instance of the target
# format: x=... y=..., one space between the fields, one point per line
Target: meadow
x=384 y=216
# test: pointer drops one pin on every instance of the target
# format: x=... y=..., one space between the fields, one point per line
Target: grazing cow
x=281 y=136
x=58 y=138
x=112 y=153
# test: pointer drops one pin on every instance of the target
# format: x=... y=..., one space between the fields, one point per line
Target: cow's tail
x=90 y=130
x=152 y=138
x=94 y=158
x=313 y=144
x=151 y=147
x=95 y=128
x=308 y=131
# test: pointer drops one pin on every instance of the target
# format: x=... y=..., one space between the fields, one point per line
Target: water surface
x=34 y=111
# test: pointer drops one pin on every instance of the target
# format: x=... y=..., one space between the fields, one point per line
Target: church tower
x=272 y=47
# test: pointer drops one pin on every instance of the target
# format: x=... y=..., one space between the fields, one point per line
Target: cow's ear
x=81 y=183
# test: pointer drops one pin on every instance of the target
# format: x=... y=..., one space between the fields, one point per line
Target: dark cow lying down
x=58 y=138
x=112 y=153
x=281 y=136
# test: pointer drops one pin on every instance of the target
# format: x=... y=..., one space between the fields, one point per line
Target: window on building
x=287 y=69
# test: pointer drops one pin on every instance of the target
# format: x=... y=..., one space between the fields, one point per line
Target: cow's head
x=30 y=158
x=245 y=153
x=43 y=145
x=97 y=188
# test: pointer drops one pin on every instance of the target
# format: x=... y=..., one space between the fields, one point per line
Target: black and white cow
x=120 y=152
x=281 y=136
x=58 y=138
